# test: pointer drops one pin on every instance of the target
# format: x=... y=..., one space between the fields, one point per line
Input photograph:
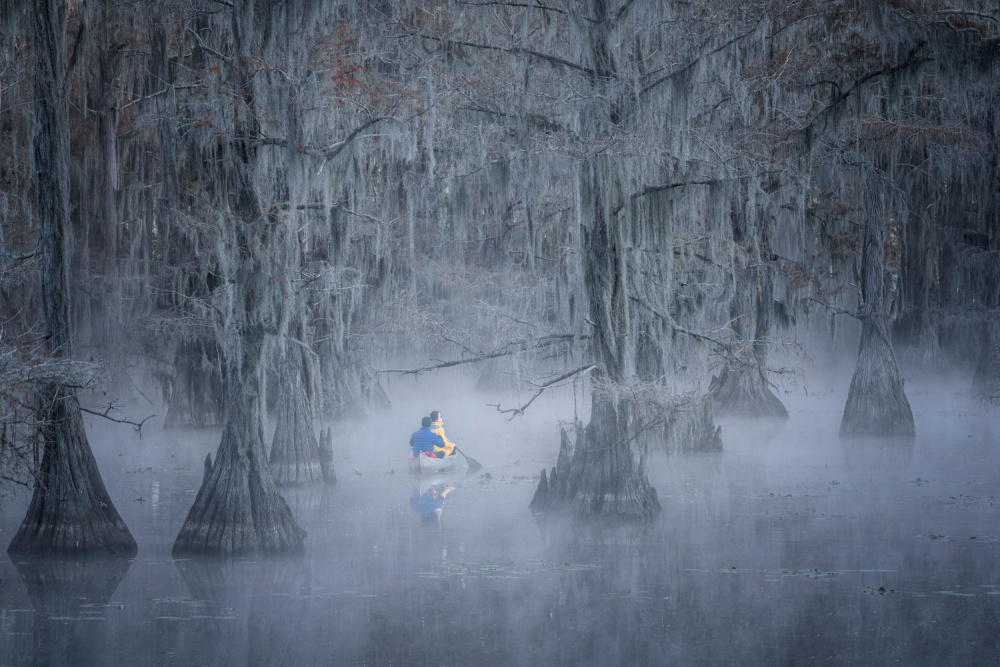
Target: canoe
x=425 y=464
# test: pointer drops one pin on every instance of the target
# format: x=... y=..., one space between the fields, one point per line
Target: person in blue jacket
x=425 y=440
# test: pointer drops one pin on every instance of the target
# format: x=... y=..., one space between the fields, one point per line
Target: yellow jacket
x=449 y=446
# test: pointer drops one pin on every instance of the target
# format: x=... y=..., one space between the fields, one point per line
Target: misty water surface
x=791 y=547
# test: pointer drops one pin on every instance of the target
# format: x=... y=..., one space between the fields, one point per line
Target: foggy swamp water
x=790 y=547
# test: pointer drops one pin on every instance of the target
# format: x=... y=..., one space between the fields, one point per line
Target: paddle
x=474 y=465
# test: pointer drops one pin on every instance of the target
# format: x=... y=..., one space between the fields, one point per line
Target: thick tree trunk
x=742 y=389
x=295 y=454
x=601 y=478
x=238 y=509
x=70 y=510
x=604 y=478
x=876 y=402
x=107 y=123
x=690 y=427
x=986 y=380
x=745 y=392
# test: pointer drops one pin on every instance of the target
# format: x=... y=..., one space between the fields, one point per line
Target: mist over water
x=790 y=547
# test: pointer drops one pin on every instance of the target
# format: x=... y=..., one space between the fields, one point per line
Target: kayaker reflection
x=430 y=503
x=425 y=441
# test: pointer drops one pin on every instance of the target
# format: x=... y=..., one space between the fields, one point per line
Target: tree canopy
x=657 y=195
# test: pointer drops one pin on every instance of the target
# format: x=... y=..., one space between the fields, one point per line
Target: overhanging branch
x=510 y=348
x=514 y=412
x=514 y=50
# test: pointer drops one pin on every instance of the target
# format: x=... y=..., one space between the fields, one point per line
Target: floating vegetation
x=504 y=569
x=721 y=570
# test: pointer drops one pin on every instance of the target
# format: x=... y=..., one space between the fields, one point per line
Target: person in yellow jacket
x=437 y=426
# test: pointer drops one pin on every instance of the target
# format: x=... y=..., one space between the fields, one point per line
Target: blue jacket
x=425 y=440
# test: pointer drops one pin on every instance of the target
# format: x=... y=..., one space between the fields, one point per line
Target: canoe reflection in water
x=427 y=500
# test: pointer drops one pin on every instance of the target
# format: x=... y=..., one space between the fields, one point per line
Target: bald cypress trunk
x=986 y=380
x=107 y=124
x=70 y=510
x=604 y=475
x=603 y=478
x=295 y=452
x=876 y=402
x=238 y=509
x=743 y=391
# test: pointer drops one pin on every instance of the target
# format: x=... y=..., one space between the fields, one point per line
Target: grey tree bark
x=295 y=452
x=986 y=380
x=603 y=477
x=238 y=509
x=107 y=117
x=876 y=402
x=742 y=389
x=70 y=510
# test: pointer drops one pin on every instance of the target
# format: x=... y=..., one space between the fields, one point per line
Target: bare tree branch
x=514 y=412
x=510 y=348
x=106 y=414
x=526 y=5
x=514 y=50
x=208 y=48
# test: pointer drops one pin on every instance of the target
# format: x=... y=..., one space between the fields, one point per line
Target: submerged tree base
x=690 y=427
x=745 y=394
x=986 y=380
x=238 y=510
x=876 y=402
x=599 y=477
x=71 y=512
x=295 y=453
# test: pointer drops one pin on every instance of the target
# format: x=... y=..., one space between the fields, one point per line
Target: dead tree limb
x=106 y=414
x=515 y=412
x=510 y=348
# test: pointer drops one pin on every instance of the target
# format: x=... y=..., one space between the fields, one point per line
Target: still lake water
x=790 y=547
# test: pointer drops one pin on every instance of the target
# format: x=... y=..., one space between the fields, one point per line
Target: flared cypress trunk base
x=238 y=510
x=876 y=402
x=295 y=455
x=986 y=380
x=745 y=393
x=71 y=512
x=691 y=428
x=601 y=478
